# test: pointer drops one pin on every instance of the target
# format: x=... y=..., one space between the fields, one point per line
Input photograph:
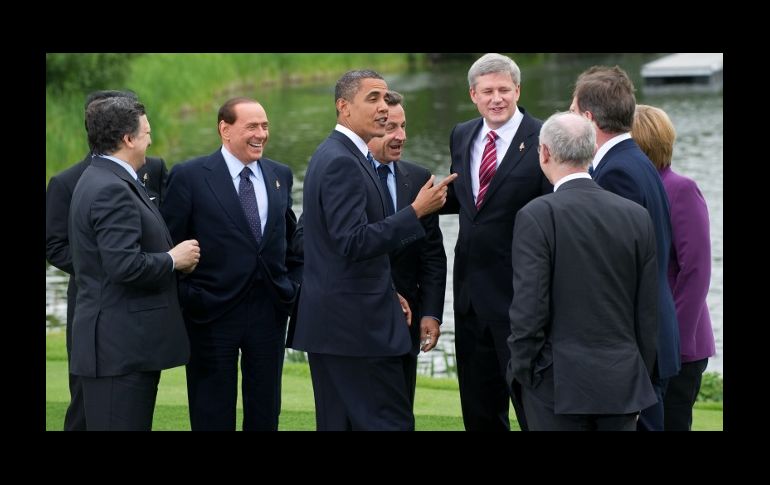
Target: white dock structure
x=698 y=71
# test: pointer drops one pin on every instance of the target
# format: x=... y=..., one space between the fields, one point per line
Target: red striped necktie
x=488 y=167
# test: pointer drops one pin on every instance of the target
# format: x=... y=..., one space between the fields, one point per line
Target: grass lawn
x=437 y=401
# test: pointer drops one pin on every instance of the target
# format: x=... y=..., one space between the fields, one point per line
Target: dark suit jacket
x=626 y=171
x=57 y=208
x=348 y=304
x=202 y=203
x=419 y=270
x=127 y=315
x=482 y=268
x=584 y=301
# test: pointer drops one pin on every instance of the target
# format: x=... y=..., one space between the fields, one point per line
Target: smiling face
x=495 y=95
x=247 y=136
x=387 y=148
x=367 y=113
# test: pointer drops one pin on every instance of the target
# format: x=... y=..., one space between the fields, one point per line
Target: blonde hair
x=655 y=134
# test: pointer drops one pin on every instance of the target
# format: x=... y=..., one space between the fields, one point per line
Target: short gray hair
x=490 y=63
x=571 y=138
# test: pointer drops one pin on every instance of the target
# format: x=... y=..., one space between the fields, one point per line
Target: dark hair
x=109 y=93
x=108 y=120
x=608 y=93
x=394 y=98
x=227 y=110
x=348 y=85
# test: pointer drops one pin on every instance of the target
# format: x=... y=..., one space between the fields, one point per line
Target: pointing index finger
x=448 y=180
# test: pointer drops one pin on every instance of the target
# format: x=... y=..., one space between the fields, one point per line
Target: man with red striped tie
x=495 y=157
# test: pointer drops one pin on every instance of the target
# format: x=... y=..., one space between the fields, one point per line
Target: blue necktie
x=249 y=203
x=384 y=182
x=383 y=172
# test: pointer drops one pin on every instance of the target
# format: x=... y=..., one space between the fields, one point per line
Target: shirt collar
x=572 y=176
x=235 y=166
x=606 y=147
x=357 y=140
x=123 y=164
x=391 y=167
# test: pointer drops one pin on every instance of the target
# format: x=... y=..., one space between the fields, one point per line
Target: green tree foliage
x=711 y=388
x=67 y=73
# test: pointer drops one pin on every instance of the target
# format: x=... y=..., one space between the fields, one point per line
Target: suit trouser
x=121 y=403
x=681 y=395
x=254 y=330
x=482 y=360
x=75 y=418
x=651 y=418
x=541 y=415
x=410 y=374
x=360 y=393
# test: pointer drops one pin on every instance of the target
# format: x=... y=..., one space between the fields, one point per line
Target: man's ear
x=342 y=106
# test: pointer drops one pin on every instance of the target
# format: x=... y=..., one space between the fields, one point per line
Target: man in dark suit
x=57 y=248
x=419 y=269
x=495 y=157
x=237 y=203
x=605 y=96
x=583 y=316
x=127 y=325
x=350 y=319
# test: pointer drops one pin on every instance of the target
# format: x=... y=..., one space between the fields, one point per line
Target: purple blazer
x=689 y=268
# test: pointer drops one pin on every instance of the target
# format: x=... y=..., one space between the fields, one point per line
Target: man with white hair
x=584 y=311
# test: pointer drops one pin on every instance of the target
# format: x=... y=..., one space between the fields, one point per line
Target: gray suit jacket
x=127 y=316
x=58 y=196
x=584 y=311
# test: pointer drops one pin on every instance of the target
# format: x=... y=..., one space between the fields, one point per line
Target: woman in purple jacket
x=689 y=269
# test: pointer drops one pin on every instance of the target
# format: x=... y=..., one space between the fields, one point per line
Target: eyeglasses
x=538 y=147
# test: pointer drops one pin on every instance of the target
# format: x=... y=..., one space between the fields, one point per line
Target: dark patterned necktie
x=249 y=203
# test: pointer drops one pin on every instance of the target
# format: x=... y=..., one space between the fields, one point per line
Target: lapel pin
x=277 y=185
x=521 y=147
x=145 y=178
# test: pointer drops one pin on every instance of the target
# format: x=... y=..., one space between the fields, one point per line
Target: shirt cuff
x=173 y=263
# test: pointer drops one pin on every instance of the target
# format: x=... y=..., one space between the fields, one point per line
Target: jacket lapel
x=134 y=186
x=466 y=151
x=274 y=193
x=375 y=179
x=222 y=189
x=403 y=186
